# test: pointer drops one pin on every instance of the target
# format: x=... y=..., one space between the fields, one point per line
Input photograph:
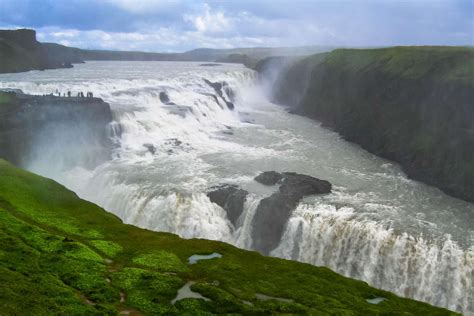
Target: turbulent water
x=376 y=226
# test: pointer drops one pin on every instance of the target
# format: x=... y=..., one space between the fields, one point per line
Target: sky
x=180 y=25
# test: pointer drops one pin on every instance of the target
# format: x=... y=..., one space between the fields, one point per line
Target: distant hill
x=20 y=51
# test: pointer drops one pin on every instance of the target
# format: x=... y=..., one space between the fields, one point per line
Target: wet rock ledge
x=272 y=212
x=32 y=125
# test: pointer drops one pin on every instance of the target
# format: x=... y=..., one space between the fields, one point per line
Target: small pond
x=195 y=258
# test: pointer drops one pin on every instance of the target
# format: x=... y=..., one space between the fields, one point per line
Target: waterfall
x=438 y=271
x=171 y=149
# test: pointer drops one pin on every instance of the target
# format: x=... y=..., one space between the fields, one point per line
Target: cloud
x=177 y=25
x=163 y=39
x=208 y=21
x=146 y=6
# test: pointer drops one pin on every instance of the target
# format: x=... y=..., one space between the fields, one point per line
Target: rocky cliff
x=76 y=129
x=20 y=51
x=413 y=105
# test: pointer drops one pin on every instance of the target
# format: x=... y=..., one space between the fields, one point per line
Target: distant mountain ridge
x=20 y=51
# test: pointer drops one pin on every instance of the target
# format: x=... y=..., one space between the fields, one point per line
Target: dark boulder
x=165 y=99
x=230 y=105
x=231 y=198
x=300 y=185
x=274 y=211
x=174 y=142
x=151 y=148
x=269 y=221
x=228 y=90
x=269 y=177
x=220 y=88
x=217 y=86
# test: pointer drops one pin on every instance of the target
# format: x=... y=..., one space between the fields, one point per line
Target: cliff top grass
x=63 y=255
x=440 y=62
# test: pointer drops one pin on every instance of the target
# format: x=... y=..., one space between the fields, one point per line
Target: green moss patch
x=108 y=247
x=161 y=260
x=148 y=291
x=441 y=63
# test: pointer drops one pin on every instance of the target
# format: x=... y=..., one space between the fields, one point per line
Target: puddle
x=186 y=292
x=376 y=300
x=264 y=297
x=195 y=258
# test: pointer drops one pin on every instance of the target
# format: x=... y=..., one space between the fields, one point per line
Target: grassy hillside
x=441 y=63
x=62 y=255
x=413 y=105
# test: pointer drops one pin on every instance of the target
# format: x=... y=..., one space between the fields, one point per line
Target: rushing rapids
x=177 y=136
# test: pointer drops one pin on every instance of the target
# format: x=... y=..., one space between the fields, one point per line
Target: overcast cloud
x=178 y=25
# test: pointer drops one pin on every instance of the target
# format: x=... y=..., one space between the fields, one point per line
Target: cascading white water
x=377 y=225
x=438 y=272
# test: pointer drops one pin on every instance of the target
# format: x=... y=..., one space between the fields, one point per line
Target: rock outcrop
x=231 y=198
x=165 y=99
x=72 y=129
x=269 y=177
x=223 y=90
x=412 y=105
x=274 y=211
x=20 y=51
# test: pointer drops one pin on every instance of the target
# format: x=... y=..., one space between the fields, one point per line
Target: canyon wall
x=35 y=128
x=413 y=105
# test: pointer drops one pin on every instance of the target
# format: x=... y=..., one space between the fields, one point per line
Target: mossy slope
x=62 y=255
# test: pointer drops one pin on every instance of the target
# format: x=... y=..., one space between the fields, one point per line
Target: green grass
x=63 y=255
x=161 y=260
x=109 y=248
x=444 y=62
